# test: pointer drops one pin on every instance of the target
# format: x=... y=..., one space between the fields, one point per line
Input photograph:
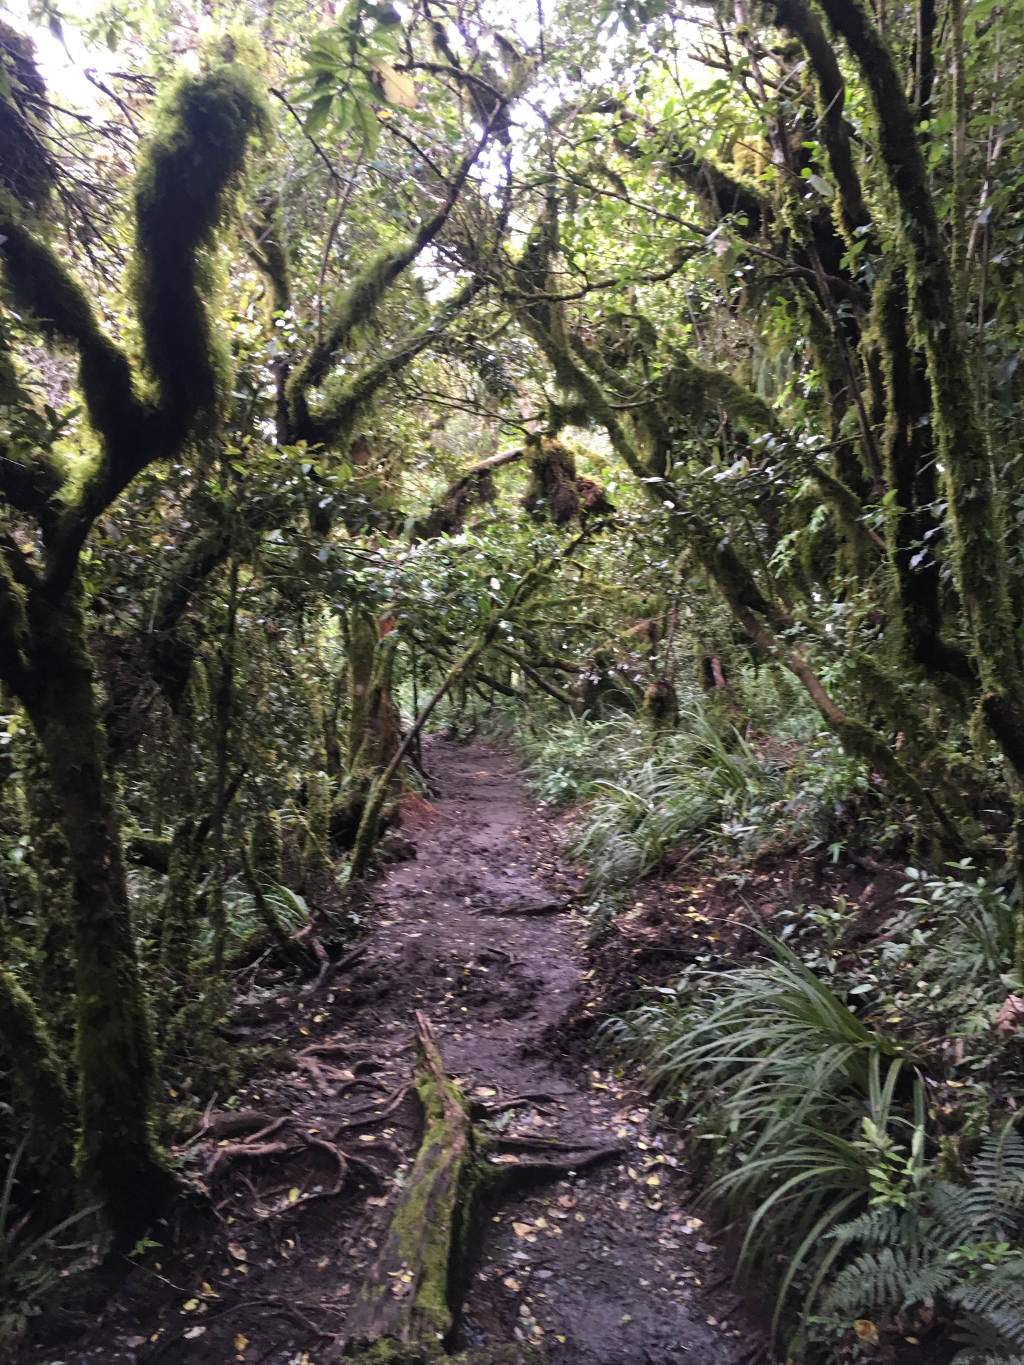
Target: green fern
x=961 y=1243
x=803 y=1104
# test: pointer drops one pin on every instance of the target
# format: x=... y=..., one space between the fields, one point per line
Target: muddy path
x=475 y=927
x=606 y=1268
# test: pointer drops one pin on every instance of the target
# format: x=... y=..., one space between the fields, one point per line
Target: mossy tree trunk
x=184 y=187
x=373 y=720
x=113 y=1053
x=31 y=1061
x=981 y=561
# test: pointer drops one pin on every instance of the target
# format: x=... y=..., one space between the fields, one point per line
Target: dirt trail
x=607 y=1267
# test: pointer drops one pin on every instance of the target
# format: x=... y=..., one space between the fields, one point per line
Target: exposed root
x=228 y=1125
x=391 y=1105
x=250 y=1151
x=538 y=1099
x=530 y=910
x=293 y=1144
x=407 y=1304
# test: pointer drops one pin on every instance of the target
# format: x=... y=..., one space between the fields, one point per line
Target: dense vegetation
x=668 y=404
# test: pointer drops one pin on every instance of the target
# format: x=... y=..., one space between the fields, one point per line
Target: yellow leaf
x=866 y=1331
x=190 y=1306
x=293 y=1195
x=522 y=1229
x=395 y=86
x=240 y=1343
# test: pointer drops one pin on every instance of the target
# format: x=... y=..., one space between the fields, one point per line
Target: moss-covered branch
x=184 y=188
x=798 y=17
x=58 y=306
x=360 y=301
x=334 y=422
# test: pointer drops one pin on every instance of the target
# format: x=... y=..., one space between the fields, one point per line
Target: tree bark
x=117 y=1155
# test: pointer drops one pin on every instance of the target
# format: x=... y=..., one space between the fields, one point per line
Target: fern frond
x=891 y=1278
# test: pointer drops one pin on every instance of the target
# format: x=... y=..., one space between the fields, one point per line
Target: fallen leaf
x=1010 y=1016
x=240 y=1343
x=866 y=1331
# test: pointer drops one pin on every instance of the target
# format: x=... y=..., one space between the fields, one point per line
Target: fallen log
x=405 y=1312
x=405 y=1299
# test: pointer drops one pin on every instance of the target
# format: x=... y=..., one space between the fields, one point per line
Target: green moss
x=59 y=307
x=117 y=1156
x=50 y=861
x=360 y=651
x=552 y=480
x=42 y=1099
x=184 y=188
x=693 y=389
x=25 y=169
x=352 y=310
x=317 y=868
x=981 y=562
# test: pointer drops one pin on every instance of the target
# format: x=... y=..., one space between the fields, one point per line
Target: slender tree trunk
x=222 y=711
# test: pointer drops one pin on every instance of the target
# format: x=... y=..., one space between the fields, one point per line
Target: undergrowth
x=706 y=788
x=834 y=1095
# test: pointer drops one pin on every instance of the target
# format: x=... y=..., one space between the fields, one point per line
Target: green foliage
x=704 y=786
x=806 y=1111
x=956 y=1243
x=245 y=924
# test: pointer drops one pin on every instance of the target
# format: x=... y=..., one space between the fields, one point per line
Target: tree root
x=263 y=1144
x=405 y=1311
x=531 y=910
